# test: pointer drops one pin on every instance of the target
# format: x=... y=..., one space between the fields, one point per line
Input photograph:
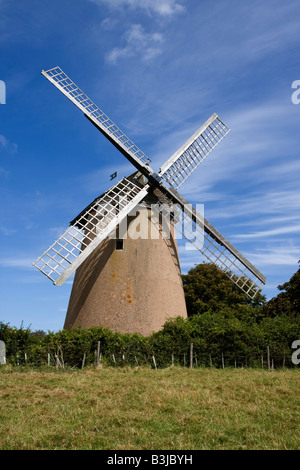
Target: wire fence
x=188 y=357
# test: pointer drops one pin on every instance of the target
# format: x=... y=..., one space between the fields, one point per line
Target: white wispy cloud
x=286 y=229
x=277 y=219
x=3 y=140
x=256 y=150
x=275 y=255
x=4 y=173
x=16 y=262
x=137 y=43
x=6 y=145
x=282 y=29
x=278 y=206
x=109 y=23
x=163 y=8
x=7 y=231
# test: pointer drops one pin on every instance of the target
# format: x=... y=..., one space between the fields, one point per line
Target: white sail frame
x=91 y=228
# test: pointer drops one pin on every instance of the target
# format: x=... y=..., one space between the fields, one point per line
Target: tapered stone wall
x=131 y=288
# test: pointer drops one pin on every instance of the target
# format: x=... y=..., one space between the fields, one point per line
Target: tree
x=287 y=302
x=208 y=288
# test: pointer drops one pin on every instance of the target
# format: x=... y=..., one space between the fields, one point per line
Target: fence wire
x=189 y=357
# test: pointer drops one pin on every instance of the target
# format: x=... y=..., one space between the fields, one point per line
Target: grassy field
x=139 y=409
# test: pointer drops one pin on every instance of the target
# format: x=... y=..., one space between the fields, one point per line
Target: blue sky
x=159 y=69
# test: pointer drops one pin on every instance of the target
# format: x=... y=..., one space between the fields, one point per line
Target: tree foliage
x=208 y=288
x=287 y=302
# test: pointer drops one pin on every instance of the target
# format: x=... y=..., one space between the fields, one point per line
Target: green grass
x=124 y=409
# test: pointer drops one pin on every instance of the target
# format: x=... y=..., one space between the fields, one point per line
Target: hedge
x=218 y=338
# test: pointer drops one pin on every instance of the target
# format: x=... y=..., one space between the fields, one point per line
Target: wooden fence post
x=191 y=355
x=83 y=361
x=98 y=353
x=268 y=357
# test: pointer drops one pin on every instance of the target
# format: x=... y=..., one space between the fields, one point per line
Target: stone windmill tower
x=132 y=281
x=123 y=246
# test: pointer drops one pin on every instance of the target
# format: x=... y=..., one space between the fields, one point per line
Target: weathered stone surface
x=133 y=290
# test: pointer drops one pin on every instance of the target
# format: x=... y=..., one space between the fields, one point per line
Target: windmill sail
x=220 y=252
x=180 y=166
x=215 y=247
x=59 y=79
x=89 y=229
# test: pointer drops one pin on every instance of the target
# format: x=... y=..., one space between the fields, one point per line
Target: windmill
x=130 y=284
